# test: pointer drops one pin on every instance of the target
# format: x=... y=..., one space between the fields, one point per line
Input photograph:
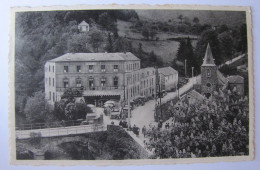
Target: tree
x=109 y=43
x=104 y=20
x=67 y=109
x=223 y=28
x=180 y=17
x=243 y=38
x=36 y=109
x=226 y=43
x=195 y=20
x=185 y=52
x=181 y=51
x=145 y=33
x=95 y=38
x=152 y=33
x=78 y=43
x=208 y=36
x=191 y=61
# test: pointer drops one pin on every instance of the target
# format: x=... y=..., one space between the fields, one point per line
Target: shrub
x=35 y=138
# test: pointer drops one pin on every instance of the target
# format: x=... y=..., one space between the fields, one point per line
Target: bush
x=35 y=138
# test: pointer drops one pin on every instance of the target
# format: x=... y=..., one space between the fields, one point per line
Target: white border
x=141 y=161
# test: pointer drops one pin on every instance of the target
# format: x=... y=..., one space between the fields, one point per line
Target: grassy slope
x=205 y=17
x=165 y=49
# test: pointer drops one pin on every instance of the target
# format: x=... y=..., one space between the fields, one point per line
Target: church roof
x=221 y=78
x=208 y=58
x=195 y=95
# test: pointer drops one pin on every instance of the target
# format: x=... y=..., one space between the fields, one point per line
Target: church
x=212 y=79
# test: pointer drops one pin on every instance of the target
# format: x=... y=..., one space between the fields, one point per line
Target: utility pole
x=128 y=103
x=192 y=69
x=158 y=88
x=185 y=65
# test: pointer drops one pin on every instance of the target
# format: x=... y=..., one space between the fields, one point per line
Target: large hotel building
x=101 y=76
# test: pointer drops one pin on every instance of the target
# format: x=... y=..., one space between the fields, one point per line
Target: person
x=108 y=111
x=120 y=123
x=144 y=130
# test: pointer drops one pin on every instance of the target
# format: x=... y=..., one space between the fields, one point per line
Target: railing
x=48 y=125
x=62 y=89
x=61 y=131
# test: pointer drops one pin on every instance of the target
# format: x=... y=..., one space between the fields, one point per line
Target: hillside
x=230 y=18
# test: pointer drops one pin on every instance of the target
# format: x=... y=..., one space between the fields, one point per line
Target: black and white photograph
x=132 y=84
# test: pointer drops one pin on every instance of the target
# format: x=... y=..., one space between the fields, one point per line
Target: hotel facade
x=100 y=76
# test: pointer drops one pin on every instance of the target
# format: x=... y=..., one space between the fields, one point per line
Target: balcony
x=94 y=88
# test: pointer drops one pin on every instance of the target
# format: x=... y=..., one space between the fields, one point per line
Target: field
x=164 y=48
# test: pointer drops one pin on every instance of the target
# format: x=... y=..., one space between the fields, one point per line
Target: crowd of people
x=208 y=128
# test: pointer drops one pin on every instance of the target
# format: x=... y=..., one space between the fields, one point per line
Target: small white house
x=83 y=27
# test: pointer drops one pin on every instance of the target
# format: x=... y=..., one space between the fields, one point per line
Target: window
x=53 y=82
x=208 y=73
x=53 y=97
x=49 y=68
x=103 y=68
x=115 y=68
x=103 y=82
x=66 y=69
x=49 y=81
x=66 y=83
x=79 y=69
x=78 y=82
x=116 y=82
x=90 y=68
x=147 y=73
x=91 y=83
x=53 y=69
x=50 y=95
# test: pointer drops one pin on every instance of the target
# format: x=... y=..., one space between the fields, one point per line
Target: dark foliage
x=204 y=129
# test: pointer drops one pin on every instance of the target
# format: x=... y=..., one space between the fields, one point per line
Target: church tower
x=209 y=77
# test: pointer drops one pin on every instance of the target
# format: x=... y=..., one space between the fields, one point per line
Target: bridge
x=61 y=131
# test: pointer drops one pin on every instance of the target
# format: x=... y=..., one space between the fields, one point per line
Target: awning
x=102 y=93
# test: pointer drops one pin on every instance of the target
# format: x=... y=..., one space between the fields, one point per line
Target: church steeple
x=208 y=59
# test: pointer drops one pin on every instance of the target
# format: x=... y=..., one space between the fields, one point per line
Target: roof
x=96 y=57
x=221 y=78
x=83 y=23
x=208 y=58
x=167 y=71
x=235 y=79
x=194 y=94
